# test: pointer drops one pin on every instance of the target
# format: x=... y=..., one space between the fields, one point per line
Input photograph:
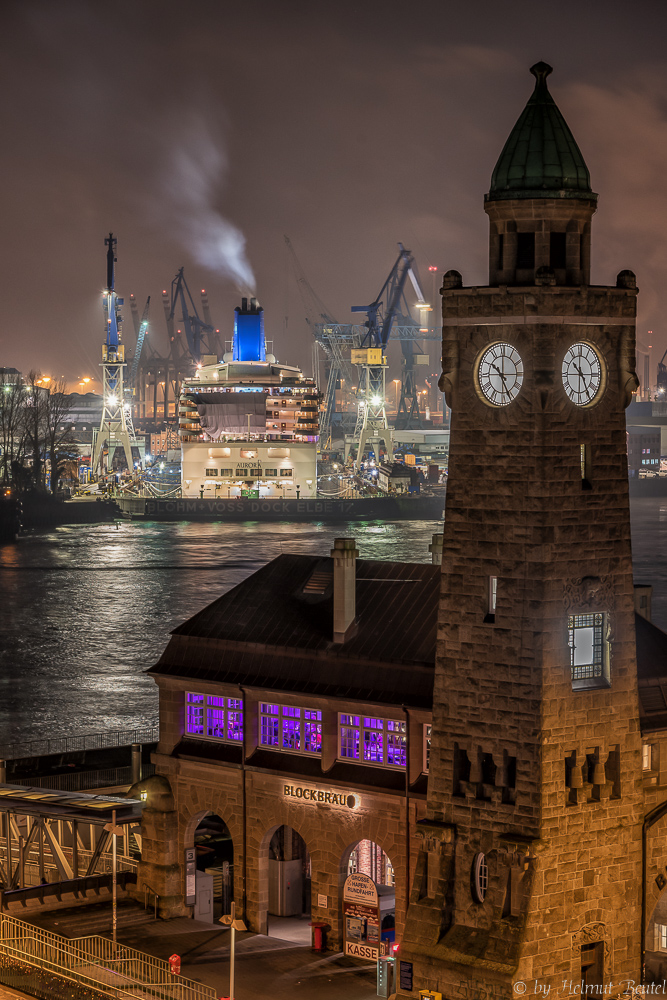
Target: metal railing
x=149 y=733
x=96 y=962
x=79 y=781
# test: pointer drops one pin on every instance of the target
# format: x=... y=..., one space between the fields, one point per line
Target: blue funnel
x=249 y=343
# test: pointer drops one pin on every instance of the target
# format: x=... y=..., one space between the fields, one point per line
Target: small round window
x=479 y=877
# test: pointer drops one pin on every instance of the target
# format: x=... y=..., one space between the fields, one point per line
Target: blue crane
x=194 y=327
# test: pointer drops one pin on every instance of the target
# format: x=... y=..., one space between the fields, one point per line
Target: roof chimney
x=435 y=548
x=344 y=554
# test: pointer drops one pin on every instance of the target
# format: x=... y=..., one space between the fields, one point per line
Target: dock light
x=376 y=400
x=112 y=400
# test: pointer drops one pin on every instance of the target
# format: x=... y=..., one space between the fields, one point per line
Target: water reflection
x=86 y=609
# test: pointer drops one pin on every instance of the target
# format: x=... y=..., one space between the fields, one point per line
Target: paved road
x=265 y=966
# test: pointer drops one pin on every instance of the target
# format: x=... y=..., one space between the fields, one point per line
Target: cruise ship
x=248 y=424
x=249 y=431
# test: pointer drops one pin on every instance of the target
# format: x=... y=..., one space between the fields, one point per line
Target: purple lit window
x=382 y=741
x=312 y=736
x=290 y=728
x=213 y=716
x=269 y=726
x=373 y=740
x=396 y=744
x=194 y=714
x=291 y=734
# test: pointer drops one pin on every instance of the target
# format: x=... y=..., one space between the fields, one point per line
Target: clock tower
x=528 y=864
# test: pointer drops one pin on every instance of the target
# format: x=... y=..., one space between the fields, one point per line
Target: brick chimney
x=344 y=554
x=435 y=548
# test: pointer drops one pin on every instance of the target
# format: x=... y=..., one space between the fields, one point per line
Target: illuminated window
x=226 y=472
x=270 y=472
x=491 y=598
x=585 y=465
x=286 y=472
x=589 y=653
x=214 y=718
x=647 y=756
x=661 y=937
x=376 y=741
x=211 y=472
x=288 y=727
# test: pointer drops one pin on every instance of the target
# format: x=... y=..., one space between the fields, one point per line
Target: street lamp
x=396 y=382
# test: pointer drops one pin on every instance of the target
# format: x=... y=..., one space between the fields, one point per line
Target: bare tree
x=35 y=399
x=57 y=430
x=12 y=424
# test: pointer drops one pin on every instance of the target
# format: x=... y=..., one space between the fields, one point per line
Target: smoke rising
x=192 y=182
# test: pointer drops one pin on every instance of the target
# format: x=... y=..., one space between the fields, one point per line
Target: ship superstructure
x=249 y=424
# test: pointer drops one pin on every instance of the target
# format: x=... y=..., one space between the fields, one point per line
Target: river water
x=85 y=610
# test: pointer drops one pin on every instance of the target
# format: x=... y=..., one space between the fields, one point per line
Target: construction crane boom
x=141 y=335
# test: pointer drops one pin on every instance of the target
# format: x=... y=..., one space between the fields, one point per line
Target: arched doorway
x=289 y=875
x=367 y=858
x=215 y=866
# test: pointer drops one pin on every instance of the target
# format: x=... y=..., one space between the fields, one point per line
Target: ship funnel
x=249 y=341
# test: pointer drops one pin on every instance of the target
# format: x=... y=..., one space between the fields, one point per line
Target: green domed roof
x=540 y=158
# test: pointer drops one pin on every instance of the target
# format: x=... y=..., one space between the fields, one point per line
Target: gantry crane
x=116 y=429
x=371 y=360
x=336 y=348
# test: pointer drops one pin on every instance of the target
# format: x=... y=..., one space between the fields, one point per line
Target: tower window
x=479 y=878
x=585 y=465
x=646 y=757
x=501 y=250
x=525 y=251
x=491 y=597
x=589 y=653
x=557 y=250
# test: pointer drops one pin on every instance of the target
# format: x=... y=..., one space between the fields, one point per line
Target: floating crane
x=116 y=429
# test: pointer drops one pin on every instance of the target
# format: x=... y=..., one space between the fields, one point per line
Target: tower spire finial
x=541 y=71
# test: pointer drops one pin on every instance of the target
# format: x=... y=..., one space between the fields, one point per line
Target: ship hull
x=409 y=508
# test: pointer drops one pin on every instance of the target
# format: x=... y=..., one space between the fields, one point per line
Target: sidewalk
x=265 y=966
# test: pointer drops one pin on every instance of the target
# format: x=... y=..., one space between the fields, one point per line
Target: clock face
x=500 y=374
x=582 y=374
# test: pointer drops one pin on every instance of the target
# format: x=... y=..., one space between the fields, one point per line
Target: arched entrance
x=289 y=878
x=367 y=858
x=215 y=867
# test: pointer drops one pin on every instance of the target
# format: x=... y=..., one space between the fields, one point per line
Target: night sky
x=185 y=128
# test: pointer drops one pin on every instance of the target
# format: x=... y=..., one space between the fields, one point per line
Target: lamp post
x=235 y=925
x=396 y=382
x=434 y=272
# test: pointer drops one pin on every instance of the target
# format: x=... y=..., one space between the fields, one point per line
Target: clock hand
x=500 y=373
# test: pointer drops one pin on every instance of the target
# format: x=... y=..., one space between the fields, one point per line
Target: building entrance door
x=289 y=887
x=592 y=964
x=215 y=857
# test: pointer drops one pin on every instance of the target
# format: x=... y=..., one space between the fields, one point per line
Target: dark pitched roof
x=540 y=158
x=276 y=629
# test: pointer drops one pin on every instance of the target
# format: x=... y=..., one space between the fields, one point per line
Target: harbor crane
x=194 y=327
x=371 y=360
x=116 y=428
x=662 y=375
x=141 y=336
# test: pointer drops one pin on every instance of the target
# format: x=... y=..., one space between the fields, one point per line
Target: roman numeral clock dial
x=499 y=374
x=583 y=374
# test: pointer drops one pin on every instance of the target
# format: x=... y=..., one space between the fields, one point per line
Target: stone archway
x=285 y=885
x=369 y=858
